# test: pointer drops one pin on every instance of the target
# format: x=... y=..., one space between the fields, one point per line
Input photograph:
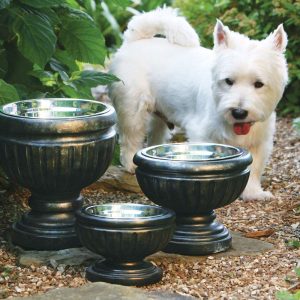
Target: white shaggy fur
x=197 y=89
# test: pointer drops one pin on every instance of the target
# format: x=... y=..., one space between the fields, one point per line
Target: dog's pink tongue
x=241 y=128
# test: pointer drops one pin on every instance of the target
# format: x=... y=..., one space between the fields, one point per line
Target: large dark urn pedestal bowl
x=125 y=234
x=193 y=180
x=54 y=147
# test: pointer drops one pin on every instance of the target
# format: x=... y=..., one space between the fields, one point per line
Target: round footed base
x=49 y=225
x=34 y=238
x=131 y=273
x=200 y=235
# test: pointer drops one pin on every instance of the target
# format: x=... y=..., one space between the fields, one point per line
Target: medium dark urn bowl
x=124 y=233
x=193 y=180
x=54 y=147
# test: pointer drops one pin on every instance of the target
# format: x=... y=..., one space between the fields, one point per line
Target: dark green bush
x=43 y=44
x=112 y=19
x=255 y=19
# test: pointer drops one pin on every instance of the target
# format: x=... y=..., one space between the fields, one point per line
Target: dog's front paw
x=128 y=165
x=129 y=168
x=259 y=194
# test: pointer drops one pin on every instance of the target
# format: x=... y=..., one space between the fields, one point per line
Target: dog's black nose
x=239 y=113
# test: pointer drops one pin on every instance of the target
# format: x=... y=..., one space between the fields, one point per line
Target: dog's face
x=248 y=76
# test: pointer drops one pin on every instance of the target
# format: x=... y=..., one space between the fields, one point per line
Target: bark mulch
x=243 y=277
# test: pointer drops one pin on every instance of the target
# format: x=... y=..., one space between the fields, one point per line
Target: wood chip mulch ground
x=244 y=277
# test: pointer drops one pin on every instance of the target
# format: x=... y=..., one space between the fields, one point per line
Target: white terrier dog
x=225 y=95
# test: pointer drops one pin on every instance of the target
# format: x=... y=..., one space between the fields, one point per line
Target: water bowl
x=125 y=233
x=54 y=147
x=194 y=180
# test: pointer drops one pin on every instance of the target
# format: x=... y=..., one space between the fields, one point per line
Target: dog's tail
x=162 y=21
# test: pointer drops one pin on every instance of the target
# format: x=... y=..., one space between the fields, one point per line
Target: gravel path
x=244 y=277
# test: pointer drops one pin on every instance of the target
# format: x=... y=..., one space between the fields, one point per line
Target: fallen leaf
x=260 y=233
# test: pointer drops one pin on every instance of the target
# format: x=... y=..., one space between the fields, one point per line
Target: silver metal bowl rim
x=239 y=152
x=107 y=108
x=163 y=211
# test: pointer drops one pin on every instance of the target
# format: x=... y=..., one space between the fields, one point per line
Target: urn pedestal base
x=124 y=234
x=199 y=235
x=49 y=225
x=54 y=147
x=129 y=273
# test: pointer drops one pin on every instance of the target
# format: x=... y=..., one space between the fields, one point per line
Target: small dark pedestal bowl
x=54 y=147
x=125 y=234
x=193 y=180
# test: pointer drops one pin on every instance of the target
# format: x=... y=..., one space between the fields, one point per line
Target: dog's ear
x=220 y=35
x=278 y=38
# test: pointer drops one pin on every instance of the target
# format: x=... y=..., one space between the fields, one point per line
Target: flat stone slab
x=104 y=291
x=246 y=246
x=65 y=257
x=117 y=179
x=101 y=290
x=76 y=256
x=241 y=246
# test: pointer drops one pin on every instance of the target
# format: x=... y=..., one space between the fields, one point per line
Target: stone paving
x=100 y=290
x=105 y=291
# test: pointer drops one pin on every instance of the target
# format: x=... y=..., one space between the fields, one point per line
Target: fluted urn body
x=125 y=234
x=194 y=180
x=54 y=147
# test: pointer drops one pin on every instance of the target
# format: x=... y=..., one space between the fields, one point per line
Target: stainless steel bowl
x=54 y=108
x=192 y=158
x=124 y=215
x=56 y=116
x=124 y=233
x=192 y=152
x=193 y=180
x=125 y=211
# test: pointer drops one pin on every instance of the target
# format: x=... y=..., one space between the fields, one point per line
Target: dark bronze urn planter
x=125 y=234
x=54 y=147
x=193 y=180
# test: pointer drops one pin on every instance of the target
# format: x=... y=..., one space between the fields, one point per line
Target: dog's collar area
x=170 y=125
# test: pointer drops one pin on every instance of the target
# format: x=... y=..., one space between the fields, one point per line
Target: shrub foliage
x=255 y=18
x=43 y=44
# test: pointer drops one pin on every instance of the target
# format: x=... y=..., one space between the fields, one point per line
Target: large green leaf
x=42 y=3
x=47 y=78
x=65 y=58
x=90 y=78
x=73 y=92
x=4 y=3
x=83 y=40
x=66 y=12
x=7 y=93
x=36 y=39
x=46 y=13
x=73 y=3
x=81 y=82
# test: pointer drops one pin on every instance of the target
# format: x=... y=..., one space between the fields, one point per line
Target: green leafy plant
x=43 y=45
x=112 y=16
x=5 y=271
x=288 y=295
x=293 y=243
x=285 y=295
x=255 y=19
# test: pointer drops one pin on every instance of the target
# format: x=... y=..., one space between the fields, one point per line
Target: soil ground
x=243 y=277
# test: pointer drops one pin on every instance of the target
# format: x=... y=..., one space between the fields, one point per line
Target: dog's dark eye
x=229 y=81
x=258 y=84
